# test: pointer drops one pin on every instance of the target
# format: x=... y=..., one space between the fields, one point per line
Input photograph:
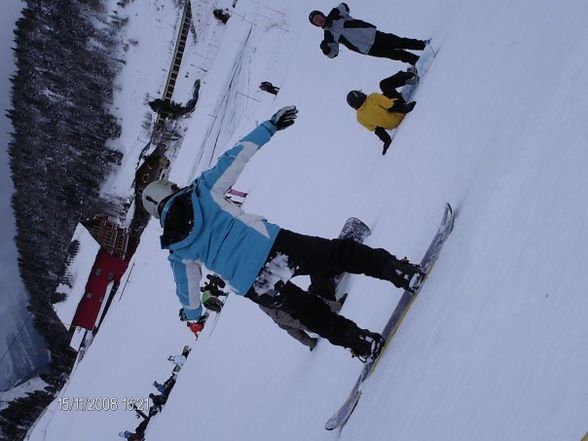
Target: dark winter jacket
x=221 y=15
x=166 y=107
x=340 y=27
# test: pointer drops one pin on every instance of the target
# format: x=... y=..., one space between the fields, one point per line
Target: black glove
x=397 y=107
x=216 y=280
x=284 y=117
x=400 y=106
x=386 y=145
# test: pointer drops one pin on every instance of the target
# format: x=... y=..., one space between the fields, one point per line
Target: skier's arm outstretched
x=187 y=275
x=229 y=166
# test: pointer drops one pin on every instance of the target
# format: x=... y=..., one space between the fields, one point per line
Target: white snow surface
x=78 y=271
x=492 y=347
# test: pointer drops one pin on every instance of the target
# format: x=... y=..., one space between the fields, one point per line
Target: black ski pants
x=390 y=84
x=392 y=46
x=325 y=258
x=317 y=256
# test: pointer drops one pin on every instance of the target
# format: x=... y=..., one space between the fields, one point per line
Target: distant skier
x=132 y=436
x=221 y=15
x=362 y=37
x=380 y=111
x=258 y=258
x=139 y=433
x=160 y=387
x=158 y=403
x=166 y=387
x=268 y=87
x=168 y=109
x=191 y=104
x=178 y=361
x=232 y=194
x=231 y=191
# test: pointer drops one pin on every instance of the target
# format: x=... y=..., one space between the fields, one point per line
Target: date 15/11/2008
x=102 y=404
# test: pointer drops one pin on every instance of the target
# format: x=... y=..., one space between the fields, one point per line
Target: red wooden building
x=105 y=276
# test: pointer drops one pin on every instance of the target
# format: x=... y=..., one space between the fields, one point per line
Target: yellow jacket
x=373 y=113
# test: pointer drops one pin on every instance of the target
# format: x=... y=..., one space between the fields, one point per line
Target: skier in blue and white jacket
x=256 y=257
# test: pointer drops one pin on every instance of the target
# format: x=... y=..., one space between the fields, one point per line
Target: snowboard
x=422 y=66
x=339 y=419
x=358 y=231
x=355 y=230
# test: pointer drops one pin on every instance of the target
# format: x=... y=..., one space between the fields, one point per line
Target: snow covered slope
x=492 y=348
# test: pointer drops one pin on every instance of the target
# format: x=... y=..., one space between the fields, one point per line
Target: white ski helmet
x=156 y=192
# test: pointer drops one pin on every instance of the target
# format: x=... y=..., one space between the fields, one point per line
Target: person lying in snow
x=362 y=37
x=380 y=111
x=256 y=257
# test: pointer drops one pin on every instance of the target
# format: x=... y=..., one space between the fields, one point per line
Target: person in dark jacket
x=160 y=387
x=165 y=388
x=268 y=87
x=362 y=37
x=221 y=15
x=380 y=111
x=167 y=108
x=256 y=257
x=132 y=436
x=158 y=402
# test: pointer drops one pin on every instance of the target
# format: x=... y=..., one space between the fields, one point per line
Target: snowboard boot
x=413 y=276
x=414 y=79
x=403 y=274
x=409 y=106
x=367 y=345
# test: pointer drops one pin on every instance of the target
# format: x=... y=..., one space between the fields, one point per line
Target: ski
x=339 y=419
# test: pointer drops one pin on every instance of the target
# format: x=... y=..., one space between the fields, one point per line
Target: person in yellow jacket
x=380 y=111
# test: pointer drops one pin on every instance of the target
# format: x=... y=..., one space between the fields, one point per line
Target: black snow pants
x=325 y=258
x=392 y=46
x=390 y=84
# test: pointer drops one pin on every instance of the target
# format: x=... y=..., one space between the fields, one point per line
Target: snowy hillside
x=492 y=347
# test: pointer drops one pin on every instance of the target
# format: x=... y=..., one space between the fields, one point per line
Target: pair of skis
x=340 y=417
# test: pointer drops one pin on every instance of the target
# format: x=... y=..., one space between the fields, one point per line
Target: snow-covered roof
x=78 y=271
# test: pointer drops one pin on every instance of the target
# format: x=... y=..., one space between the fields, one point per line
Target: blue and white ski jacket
x=224 y=238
